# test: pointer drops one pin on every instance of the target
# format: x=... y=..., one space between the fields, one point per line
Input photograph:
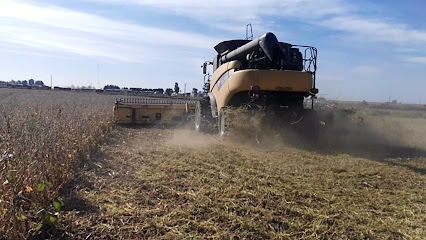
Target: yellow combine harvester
x=262 y=75
x=153 y=110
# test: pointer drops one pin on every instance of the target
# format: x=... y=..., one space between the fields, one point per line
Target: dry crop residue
x=44 y=136
x=168 y=184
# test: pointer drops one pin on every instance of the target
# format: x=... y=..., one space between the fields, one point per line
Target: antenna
x=98 y=75
x=51 y=81
x=249 y=29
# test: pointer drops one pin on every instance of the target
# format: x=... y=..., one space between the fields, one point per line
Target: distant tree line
x=168 y=91
x=111 y=87
x=39 y=83
x=29 y=82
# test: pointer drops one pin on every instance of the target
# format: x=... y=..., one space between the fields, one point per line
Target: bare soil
x=174 y=184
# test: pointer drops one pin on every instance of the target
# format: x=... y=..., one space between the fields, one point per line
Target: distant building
x=158 y=91
x=112 y=91
x=39 y=83
x=62 y=89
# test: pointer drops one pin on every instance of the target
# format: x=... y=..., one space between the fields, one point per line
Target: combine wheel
x=309 y=126
x=203 y=117
x=223 y=127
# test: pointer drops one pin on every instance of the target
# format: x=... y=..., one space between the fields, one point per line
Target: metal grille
x=147 y=101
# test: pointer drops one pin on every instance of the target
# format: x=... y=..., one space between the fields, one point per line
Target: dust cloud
x=185 y=137
x=345 y=131
x=341 y=131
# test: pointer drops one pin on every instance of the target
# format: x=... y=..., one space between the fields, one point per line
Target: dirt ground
x=174 y=184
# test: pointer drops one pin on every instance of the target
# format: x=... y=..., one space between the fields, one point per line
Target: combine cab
x=260 y=75
x=153 y=110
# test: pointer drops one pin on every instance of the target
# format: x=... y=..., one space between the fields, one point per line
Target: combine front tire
x=202 y=116
x=222 y=123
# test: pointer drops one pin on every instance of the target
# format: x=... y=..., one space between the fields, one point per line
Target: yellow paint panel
x=165 y=114
x=267 y=80
x=276 y=80
x=221 y=70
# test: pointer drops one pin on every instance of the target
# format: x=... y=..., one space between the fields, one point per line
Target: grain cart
x=153 y=110
x=260 y=75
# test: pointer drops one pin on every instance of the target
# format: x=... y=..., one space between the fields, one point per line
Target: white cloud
x=55 y=28
x=376 y=30
x=331 y=14
x=59 y=29
x=406 y=50
x=418 y=60
x=242 y=10
x=14 y=49
x=331 y=77
x=366 y=70
x=234 y=15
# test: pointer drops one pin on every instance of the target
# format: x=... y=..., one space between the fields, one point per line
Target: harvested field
x=172 y=184
x=361 y=181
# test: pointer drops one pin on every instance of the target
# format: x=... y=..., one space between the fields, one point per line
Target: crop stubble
x=164 y=183
x=168 y=184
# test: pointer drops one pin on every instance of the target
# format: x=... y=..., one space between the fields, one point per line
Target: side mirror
x=204 y=68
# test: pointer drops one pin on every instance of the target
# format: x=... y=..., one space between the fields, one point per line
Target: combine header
x=153 y=110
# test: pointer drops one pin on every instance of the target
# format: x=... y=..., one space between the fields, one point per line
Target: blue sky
x=366 y=49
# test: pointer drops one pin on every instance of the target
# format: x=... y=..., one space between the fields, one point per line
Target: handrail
x=169 y=101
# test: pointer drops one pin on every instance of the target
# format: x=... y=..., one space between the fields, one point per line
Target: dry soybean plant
x=44 y=135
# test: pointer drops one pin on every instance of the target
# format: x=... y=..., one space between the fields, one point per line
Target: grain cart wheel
x=202 y=116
